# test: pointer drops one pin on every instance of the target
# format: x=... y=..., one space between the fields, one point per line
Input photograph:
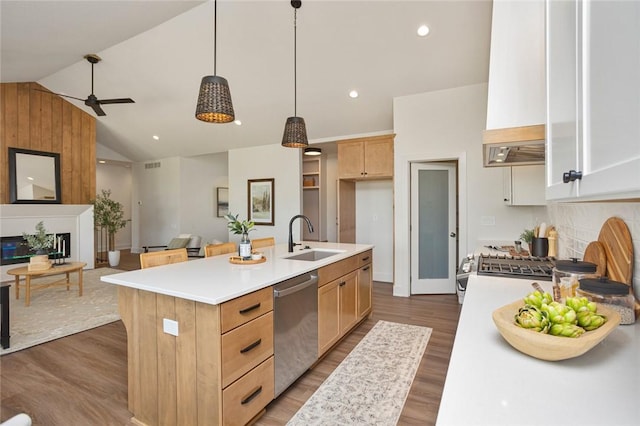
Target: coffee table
x=65 y=268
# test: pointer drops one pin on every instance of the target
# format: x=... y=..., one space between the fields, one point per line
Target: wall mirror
x=34 y=177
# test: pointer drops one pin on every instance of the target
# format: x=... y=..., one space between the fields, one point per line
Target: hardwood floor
x=82 y=379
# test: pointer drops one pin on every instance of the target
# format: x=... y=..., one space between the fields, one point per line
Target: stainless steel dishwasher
x=295 y=342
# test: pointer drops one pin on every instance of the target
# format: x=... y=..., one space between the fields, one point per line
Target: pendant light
x=214 y=98
x=295 y=131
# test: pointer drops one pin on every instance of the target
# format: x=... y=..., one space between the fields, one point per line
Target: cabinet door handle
x=342 y=283
x=366 y=268
x=249 y=398
x=571 y=176
x=251 y=346
x=249 y=309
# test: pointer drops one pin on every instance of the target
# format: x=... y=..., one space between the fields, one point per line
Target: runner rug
x=372 y=383
x=55 y=312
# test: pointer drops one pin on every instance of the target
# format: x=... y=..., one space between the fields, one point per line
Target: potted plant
x=527 y=237
x=109 y=214
x=40 y=242
x=241 y=227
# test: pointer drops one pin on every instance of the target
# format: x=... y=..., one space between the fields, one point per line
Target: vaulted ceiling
x=156 y=52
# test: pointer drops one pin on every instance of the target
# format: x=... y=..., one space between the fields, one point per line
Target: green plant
x=239 y=226
x=108 y=214
x=40 y=240
x=527 y=236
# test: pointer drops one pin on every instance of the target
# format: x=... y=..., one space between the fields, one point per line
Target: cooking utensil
x=616 y=240
x=596 y=254
x=542 y=232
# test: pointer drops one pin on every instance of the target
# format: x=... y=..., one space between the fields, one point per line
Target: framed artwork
x=261 y=201
x=222 y=201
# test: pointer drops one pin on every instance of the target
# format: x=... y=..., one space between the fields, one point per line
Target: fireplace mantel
x=76 y=219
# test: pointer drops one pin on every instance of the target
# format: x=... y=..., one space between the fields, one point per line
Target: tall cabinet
x=360 y=159
x=593 y=64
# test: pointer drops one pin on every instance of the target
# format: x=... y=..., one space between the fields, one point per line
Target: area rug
x=371 y=385
x=55 y=312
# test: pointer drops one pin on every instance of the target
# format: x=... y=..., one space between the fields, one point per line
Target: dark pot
x=539 y=247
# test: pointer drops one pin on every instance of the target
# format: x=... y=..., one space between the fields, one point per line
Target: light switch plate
x=170 y=326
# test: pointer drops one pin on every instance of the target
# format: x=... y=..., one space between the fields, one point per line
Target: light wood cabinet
x=218 y=369
x=366 y=158
x=365 y=284
x=344 y=298
x=313 y=197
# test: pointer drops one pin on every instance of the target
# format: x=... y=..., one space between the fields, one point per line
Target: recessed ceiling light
x=238 y=122
x=353 y=94
x=29 y=177
x=101 y=161
x=156 y=137
x=423 y=30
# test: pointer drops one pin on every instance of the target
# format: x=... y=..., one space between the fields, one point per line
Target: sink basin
x=314 y=255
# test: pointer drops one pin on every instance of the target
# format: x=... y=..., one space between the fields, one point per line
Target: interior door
x=433 y=228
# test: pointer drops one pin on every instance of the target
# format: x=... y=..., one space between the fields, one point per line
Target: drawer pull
x=249 y=309
x=342 y=283
x=252 y=396
x=364 y=259
x=251 y=346
x=366 y=268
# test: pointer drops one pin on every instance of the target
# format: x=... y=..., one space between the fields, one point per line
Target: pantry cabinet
x=593 y=63
x=366 y=158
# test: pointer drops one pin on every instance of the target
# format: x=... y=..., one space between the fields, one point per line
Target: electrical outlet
x=170 y=326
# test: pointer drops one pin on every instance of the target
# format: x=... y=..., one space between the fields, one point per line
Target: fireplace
x=15 y=249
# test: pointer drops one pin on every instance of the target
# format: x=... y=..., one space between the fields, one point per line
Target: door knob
x=452 y=235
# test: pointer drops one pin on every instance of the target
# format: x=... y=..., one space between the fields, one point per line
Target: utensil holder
x=539 y=247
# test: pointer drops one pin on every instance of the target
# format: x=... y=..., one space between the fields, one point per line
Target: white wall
x=177 y=198
x=445 y=125
x=117 y=177
x=265 y=162
x=374 y=224
x=200 y=176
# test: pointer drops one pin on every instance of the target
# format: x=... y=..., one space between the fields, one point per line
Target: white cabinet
x=524 y=186
x=593 y=99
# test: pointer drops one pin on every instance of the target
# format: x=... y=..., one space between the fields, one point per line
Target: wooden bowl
x=545 y=346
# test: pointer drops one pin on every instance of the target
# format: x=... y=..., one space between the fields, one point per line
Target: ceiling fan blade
x=98 y=110
x=116 y=101
x=59 y=94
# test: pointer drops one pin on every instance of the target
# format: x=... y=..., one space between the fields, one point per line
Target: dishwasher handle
x=287 y=291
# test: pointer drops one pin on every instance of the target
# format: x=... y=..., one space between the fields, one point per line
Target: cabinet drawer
x=245 y=398
x=242 y=309
x=328 y=273
x=365 y=258
x=245 y=347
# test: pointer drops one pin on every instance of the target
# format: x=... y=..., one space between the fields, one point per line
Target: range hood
x=513 y=146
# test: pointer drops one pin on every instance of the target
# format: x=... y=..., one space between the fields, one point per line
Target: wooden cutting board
x=616 y=241
x=596 y=254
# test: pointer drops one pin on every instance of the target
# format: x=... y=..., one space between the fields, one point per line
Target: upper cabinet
x=593 y=100
x=366 y=158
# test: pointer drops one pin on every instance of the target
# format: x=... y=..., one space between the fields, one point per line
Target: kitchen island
x=200 y=334
x=491 y=383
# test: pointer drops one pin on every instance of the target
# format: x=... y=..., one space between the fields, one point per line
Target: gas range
x=526 y=267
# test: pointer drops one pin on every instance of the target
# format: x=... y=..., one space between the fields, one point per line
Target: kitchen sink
x=314 y=255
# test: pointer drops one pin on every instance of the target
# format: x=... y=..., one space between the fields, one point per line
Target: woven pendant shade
x=295 y=133
x=214 y=100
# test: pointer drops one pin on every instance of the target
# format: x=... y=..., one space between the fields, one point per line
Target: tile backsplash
x=579 y=223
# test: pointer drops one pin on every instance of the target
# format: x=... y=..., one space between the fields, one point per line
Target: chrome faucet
x=309 y=225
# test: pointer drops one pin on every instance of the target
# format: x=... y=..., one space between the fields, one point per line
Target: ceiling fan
x=92 y=101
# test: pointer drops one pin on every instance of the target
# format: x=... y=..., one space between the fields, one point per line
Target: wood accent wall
x=40 y=121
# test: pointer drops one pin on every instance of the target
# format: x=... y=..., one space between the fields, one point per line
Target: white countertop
x=214 y=280
x=491 y=383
